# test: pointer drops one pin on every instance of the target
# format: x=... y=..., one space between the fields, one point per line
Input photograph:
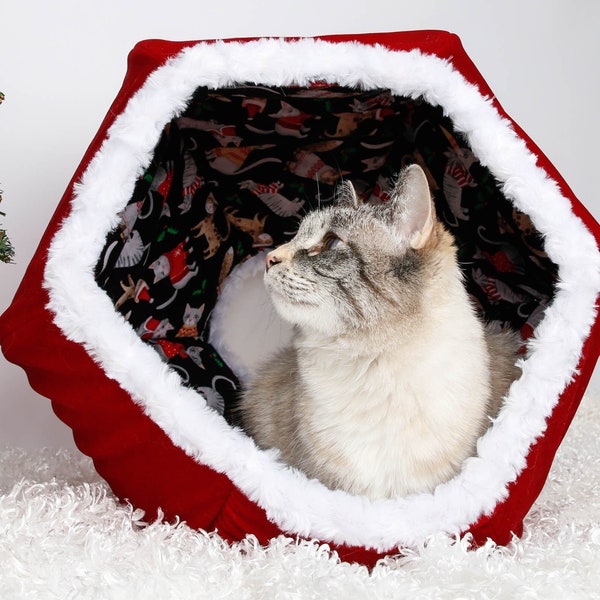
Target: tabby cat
x=391 y=376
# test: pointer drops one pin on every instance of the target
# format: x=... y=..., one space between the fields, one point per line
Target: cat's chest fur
x=395 y=418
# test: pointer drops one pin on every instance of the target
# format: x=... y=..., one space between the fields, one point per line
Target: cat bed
x=142 y=312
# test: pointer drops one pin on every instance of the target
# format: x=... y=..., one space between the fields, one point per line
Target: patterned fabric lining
x=238 y=170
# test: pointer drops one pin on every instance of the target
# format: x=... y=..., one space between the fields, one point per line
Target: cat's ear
x=347 y=196
x=414 y=213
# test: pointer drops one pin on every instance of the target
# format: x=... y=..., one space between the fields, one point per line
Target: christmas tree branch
x=7 y=252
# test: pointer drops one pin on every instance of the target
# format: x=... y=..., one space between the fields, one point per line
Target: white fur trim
x=86 y=314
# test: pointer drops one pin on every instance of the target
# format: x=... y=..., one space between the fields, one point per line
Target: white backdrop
x=62 y=62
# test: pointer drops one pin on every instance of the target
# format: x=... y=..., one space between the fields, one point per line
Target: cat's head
x=351 y=266
x=161 y=268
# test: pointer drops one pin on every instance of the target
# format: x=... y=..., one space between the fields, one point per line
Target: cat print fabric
x=236 y=172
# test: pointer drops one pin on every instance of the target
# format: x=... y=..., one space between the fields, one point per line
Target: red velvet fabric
x=134 y=455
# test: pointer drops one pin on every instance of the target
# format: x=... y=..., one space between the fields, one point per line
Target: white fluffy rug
x=64 y=535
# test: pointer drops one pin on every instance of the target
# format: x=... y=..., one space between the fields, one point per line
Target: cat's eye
x=329 y=242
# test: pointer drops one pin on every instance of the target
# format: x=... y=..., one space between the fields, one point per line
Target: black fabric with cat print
x=236 y=172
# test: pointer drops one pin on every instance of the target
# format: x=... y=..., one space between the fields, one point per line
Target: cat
x=269 y=194
x=232 y=161
x=154 y=329
x=191 y=318
x=391 y=377
x=208 y=228
x=254 y=227
x=309 y=165
x=174 y=265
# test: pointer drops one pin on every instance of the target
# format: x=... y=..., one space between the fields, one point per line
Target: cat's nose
x=272 y=259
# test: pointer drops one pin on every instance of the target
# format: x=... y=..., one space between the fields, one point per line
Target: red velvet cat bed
x=212 y=152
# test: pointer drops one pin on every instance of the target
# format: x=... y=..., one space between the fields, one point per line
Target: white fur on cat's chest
x=394 y=415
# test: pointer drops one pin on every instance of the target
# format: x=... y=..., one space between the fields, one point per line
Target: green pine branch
x=7 y=252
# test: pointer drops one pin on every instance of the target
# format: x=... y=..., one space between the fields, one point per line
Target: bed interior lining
x=235 y=173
